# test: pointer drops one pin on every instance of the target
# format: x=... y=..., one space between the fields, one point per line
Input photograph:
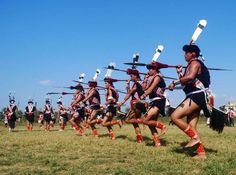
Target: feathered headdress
x=156 y=55
x=81 y=77
x=11 y=97
x=30 y=100
x=93 y=82
x=59 y=101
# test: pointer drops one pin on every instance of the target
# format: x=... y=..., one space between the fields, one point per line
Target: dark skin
x=74 y=104
x=132 y=121
x=152 y=115
x=191 y=110
x=108 y=118
x=133 y=78
x=60 y=109
x=92 y=120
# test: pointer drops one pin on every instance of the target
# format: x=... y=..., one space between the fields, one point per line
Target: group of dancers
x=86 y=110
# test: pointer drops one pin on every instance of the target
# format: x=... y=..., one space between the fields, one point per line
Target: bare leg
x=193 y=120
x=133 y=117
x=151 y=118
x=92 y=121
x=190 y=109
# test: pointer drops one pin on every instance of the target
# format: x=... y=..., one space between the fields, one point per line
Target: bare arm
x=128 y=95
x=144 y=84
x=76 y=101
x=128 y=86
x=110 y=99
x=194 y=68
x=59 y=112
x=156 y=81
x=89 y=96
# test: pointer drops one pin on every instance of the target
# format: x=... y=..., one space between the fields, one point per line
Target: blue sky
x=46 y=43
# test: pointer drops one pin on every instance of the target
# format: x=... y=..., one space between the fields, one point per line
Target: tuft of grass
x=41 y=152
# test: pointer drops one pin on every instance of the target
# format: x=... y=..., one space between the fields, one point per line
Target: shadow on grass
x=190 y=151
x=35 y=130
x=124 y=137
x=151 y=143
x=104 y=135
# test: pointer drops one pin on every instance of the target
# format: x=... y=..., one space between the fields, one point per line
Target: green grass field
x=41 y=152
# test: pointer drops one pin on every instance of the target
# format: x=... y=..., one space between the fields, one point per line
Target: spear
x=101 y=87
x=126 y=71
x=70 y=87
x=115 y=80
x=162 y=65
x=59 y=93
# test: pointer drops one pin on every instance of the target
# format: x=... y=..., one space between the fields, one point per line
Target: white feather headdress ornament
x=81 y=77
x=158 y=51
x=97 y=73
x=111 y=66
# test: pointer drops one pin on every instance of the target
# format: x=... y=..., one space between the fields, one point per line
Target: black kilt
x=111 y=109
x=140 y=106
x=200 y=100
x=81 y=112
x=11 y=120
x=64 y=118
x=160 y=104
x=47 y=117
x=29 y=118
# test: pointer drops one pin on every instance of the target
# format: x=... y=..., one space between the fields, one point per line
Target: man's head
x=47 y=101
x=191 y=51
x=152 y=68
x=134 y=74
x=12 y=101
x=59 y=102
x=108 y=82
x=30 y=102
x=79 y=87
x=92 y=83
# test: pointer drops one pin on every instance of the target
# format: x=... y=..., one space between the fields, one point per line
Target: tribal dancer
x=62 y=114
x=40 y=120
x=5 y=117
x=11 y=114
x=136 y=107
x=79 y=110
x=48 y=112
x=30 y=109
x=154 y=88
x=230 y=117
x=111 y=100
x=196 y=80
x=93 y=97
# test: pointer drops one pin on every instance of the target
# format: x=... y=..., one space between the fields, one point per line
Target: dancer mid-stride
x=196 y=80
x=78 y=114
x=93 y=97
x=62 y=114
x=154 y=88
x=111 y=100
x=136 y=107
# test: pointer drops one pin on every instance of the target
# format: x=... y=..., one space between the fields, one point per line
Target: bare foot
x=192 y=142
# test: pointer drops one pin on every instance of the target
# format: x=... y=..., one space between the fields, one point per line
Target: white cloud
x=45 y=82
